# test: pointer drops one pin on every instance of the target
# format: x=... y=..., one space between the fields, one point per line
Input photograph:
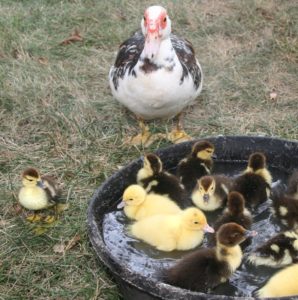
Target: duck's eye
x=144 y=18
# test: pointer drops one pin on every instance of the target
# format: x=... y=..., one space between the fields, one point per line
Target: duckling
x=38 y=193
x=237 y=213
x=280 y=250
x=139 y=205
x=211 y=192
x=206 y=268
x=197 y=164
x=181 y=231
x=281 y=284
x=255 y=183
x=155 y=180
x=285 y=208
x=293 y=185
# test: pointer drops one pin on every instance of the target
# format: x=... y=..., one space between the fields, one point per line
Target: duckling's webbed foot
x=34 y=217
x=178 y=135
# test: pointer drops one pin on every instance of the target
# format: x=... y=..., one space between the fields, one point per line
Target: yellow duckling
x=281 y=284
x=138 y=204
x=211 y=192
x=181 y=231
x=38 y=193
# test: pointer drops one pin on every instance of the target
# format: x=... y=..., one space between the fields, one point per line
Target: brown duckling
x=280 y=250
x=236 y=212
x=281 y=284
x=197 y=164
x=155 y=180
x=38 y=193
x=211 y=192
x=285 y=204
x=293 y=185
x=255 y=183
x=206 y=268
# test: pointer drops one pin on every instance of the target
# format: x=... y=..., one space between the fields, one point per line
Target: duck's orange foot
x=177 y=136
x=144 y=139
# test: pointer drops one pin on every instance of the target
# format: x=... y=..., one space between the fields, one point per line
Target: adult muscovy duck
x=156 y=74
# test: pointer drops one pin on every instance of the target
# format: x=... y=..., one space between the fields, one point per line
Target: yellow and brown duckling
x=197 y=164
x=38 y=193
x=237 y=213
x=281 y=284
x=285 y=203
x=280 y=250
x=181 y=231
x=255 y=183
x=138 y=204
x=206 y=268
x=155 y=180
x=211 y=192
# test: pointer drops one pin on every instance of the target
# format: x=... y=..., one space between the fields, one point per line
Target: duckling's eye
x=130 y=199
x=165 y=19
x=196 y=222
x=30 y=179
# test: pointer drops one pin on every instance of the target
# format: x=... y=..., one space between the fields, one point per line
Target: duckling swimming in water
x=285 y=202
x=138 y=204
x=255 y=183
x=181 y=231
x=280 y=250
x=197 y=164
x=38 y=193
x=237 y=213
x=211 y=192
x=206 y=268
x=281 y=284
x=155 y=180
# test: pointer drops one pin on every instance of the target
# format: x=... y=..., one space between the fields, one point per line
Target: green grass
x=57 y=113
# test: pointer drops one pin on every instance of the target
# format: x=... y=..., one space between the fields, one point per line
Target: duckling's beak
x=250 y=233
x=208 y=228
x=121 y=205
x=206 y=197
x=40 y=184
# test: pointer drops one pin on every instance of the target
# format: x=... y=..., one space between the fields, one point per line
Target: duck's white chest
x=33 y=198
x=156 y=90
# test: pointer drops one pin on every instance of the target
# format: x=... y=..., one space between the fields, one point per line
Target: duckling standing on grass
x=38 y=193
x=255 y=183
x=211 y=192
x=155 y=180
x=206 y=268
x=138 y=204
x=280 y=250
x=281 y=284
x=197 y=164
x=182 y=231
x=285 y=203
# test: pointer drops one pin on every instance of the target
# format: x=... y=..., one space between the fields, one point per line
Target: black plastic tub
x=135 y=266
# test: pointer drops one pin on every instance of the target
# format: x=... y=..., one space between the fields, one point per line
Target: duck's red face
x=155 y=25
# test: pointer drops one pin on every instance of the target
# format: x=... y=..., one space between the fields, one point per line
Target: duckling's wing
x=51 y=188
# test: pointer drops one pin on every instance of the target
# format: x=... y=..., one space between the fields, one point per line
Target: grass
x=57 y=113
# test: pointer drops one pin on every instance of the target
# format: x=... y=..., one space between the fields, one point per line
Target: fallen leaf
x=74 y=241
x=43 y=60
x=59 y=248
x=273 y=95
x=75 y=37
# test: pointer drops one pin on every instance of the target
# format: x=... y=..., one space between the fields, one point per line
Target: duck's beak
x=208 y=228
x=250 y=233
x=121 y=205
x=206 y=198
x=40 y=184
x=152 y=40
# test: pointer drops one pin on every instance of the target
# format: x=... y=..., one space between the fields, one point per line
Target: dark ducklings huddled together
x=168 y=211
